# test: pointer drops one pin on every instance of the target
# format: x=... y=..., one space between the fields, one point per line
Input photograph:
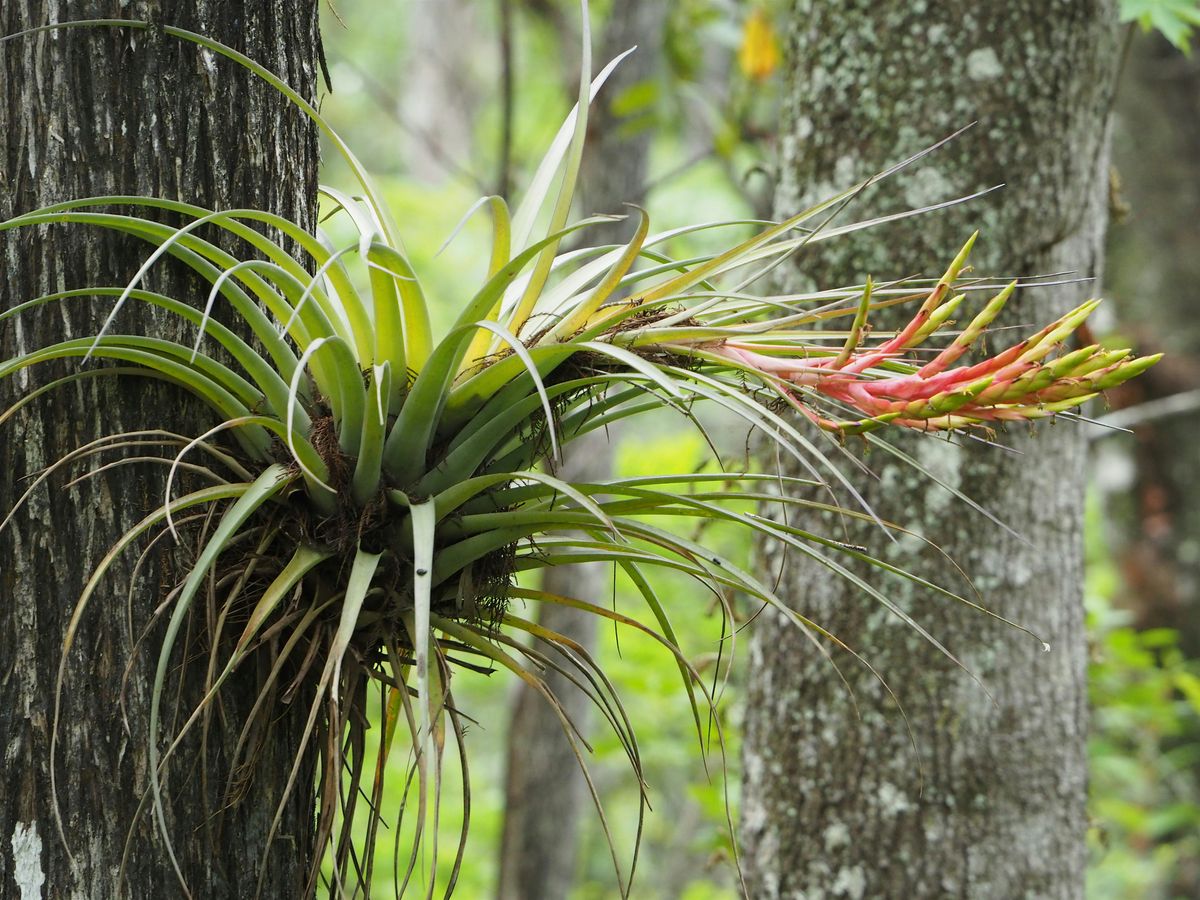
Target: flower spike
x=1029 y=380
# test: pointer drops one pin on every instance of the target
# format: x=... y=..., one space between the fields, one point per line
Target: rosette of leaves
x=376 y=487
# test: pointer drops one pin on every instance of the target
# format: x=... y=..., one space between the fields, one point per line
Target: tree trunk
x=114 y=111
x=1148 y=480
x=440 y=96
x=545 y=793
x=1153 y=275
x=991 y=804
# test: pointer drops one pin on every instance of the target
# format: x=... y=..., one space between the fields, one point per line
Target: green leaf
x=368 y=471
x=303 y=561
x=409 y=439
x=539 y=187
x=1175 y=19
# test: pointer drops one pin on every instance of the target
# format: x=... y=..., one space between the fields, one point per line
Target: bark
x=991 y=803
x=114 y=111
x=1154 y=505
x=545 y=793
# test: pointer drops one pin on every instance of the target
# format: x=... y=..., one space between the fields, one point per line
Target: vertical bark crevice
x=102 y=111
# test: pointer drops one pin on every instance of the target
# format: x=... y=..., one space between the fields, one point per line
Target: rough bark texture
x=113 y=111
x=1154 y=505
x=836 y=803
x=545 y=793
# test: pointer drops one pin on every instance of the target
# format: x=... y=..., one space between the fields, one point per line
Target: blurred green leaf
x=636 y=99
x=1143 y=750
x=1174 y=19
x=1189 y=685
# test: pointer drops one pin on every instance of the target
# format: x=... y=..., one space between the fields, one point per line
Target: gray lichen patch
x=27 y=861
x=983 y=64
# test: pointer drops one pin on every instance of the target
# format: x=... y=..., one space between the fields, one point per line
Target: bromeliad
x=376 y=487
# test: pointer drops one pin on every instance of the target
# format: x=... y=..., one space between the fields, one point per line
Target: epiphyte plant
x=376 y=487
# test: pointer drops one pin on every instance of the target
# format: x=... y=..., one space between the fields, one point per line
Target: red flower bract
x=1030 y=380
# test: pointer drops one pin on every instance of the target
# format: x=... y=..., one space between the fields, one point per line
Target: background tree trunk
x=545 y=793
x=836 y=803
x=1148 y=481
x=440 y=94
x=1154 y=505
x=115 y=111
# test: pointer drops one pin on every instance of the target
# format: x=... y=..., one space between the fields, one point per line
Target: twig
x=1130 y=417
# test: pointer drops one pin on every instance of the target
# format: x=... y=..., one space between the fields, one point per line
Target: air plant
x=383 y=485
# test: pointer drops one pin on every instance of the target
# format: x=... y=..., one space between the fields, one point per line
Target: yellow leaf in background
x=759 y=54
